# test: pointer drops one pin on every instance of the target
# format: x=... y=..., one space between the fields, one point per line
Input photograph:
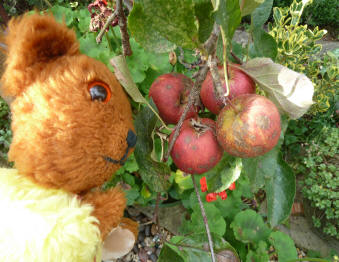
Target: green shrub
x=321 y=184
x=298 y=49
x=322 y=13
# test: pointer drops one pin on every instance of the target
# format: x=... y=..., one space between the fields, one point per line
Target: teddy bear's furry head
x=71 y=120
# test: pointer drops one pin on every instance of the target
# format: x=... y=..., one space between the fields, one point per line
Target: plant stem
x=203 y=213
x=103 y=30
x=218 y=89
x=194 y=94
x=224 y=41
x=127 y=51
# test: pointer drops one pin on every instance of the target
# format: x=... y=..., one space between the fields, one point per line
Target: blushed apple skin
x=170 y=94
x=194 y=152
x=250 y=127
x=239 y=84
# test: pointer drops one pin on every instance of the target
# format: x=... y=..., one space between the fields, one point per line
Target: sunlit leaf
x=145 y=31
x=154 y=21
x=292 y=92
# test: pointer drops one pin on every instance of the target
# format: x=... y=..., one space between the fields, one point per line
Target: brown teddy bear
x=72 y=129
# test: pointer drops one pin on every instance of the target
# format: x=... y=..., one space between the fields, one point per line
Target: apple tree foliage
x=158 y=27
x=179 y=23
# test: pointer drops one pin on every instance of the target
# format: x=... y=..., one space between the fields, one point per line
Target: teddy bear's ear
x=32 y=41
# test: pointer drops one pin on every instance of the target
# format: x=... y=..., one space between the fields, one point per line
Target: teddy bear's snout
x=131 y=140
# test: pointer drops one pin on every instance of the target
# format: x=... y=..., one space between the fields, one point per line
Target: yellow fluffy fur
x=51 y=217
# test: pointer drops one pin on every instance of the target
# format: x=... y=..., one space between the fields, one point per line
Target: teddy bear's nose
x=131 y=138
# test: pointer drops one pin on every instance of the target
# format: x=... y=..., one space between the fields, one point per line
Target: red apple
x=196 y=150
x=170 y=94
x=248 y=126
x=239 y=84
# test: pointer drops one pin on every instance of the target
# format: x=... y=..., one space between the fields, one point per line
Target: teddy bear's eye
x=99 y=91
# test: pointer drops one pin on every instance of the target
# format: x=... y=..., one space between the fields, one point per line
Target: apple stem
x=224 y=41
x=203 y=213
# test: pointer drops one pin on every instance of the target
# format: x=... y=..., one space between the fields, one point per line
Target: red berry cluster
x=210 y=197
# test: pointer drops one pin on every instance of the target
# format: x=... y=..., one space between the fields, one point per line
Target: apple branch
x=194 y=94
x=203 y=213
x=123 y=29
x=122 y=21
x=209 y=47
x=212 y=64
x=103 y=30
x=188 y=66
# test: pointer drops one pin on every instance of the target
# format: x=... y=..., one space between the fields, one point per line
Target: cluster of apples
x=247 y=125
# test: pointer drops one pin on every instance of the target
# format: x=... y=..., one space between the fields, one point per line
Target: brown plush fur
x=60 y=136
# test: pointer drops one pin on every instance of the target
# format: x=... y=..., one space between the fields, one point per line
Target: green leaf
x=261 y=14
x=203 y=11
x=284 y=246
x=280 y=190
x=170 y=253
x=155 y=174
x=131 y=195
x=216 y=222
x=221 y=176
x=89 y=47
x=264 y=44
x=260 y=254
x=231 y=206
x=84 y=19
x=194 y=248
x=172 y=20
x=249 y=227
x=271 y=171
x=228 y=15
x=62 y=14
x=145 y=33
x=291 y=92
x=247 y=6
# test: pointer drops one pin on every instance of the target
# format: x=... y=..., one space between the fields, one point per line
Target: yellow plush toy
x=72 y=129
